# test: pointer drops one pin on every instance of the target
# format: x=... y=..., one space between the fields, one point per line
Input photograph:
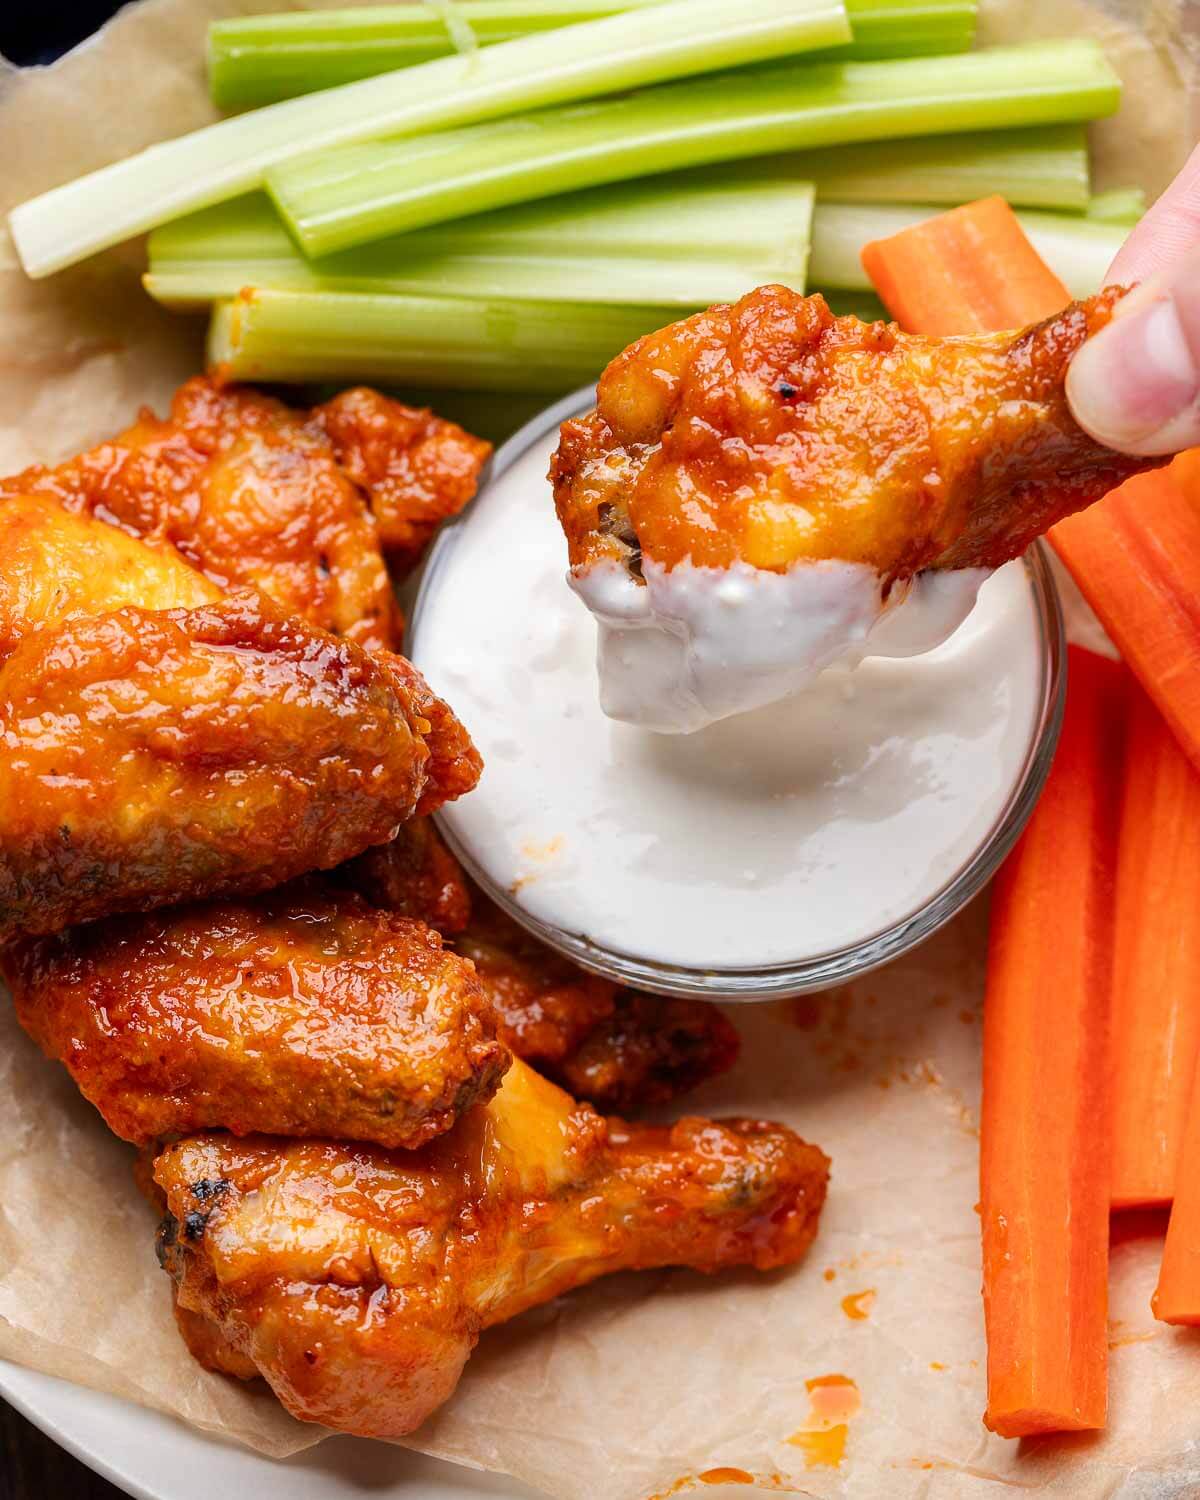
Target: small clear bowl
x=819 y=971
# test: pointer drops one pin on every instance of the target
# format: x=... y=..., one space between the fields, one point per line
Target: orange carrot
x=1044 y=1152
x=1044 y=1138
x=971 y=270
x=1156 y=962
x=1136 y=558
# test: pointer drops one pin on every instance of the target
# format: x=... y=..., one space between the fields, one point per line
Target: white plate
x=157 y=1458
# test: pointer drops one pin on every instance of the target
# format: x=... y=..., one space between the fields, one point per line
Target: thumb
x=1135 y=385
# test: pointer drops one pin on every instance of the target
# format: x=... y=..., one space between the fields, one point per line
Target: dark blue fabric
x=38 y=33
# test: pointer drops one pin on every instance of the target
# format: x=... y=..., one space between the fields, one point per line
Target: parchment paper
x=639 y=1384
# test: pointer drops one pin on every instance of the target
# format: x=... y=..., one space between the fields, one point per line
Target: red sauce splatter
x=725 y=1476
x=834 y=1398
x=829 y=1273
x=858 y=1305
x=823 y=1449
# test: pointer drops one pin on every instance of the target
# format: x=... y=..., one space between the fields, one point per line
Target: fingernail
x=1136 y=386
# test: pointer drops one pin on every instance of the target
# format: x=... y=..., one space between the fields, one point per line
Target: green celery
x=667 y=40
x=1117 y=206
x=434 y=341
x=255 y=60
x=1043 y=167
x=341 y=198
x=1077 y=249
x=908 y=28
x=682 y=240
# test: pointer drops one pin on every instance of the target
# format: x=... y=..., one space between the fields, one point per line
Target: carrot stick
x=1156 y=962
x=1044 y=1139
x=971 y=270
x=1136 y=559
x=1044 y=1153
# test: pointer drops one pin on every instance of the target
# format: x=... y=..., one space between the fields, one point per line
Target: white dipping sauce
x=770 y=837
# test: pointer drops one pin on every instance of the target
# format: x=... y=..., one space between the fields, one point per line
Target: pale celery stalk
x=434 y=341
x=681 y=241
x=667 y=40
x=1077 y=249
x=908 y=28
x=1044 y=167
x=1117 y=206
x=255 y=60
x=341 y=198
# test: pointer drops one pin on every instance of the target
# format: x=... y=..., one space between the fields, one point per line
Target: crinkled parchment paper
x=621 y=1391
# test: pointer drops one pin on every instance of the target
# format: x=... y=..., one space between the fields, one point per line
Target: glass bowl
x=837 y=965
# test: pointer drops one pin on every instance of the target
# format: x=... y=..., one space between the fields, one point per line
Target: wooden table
x=34 y=1468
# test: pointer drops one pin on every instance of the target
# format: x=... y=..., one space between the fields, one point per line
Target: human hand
x=1135 y=386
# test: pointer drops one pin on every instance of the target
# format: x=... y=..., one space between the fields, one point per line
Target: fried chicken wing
x=417 y=468
x=305 y=1012
x=765 y=489
x=160 y=756
x=357 y=1281
x=770 y=432
x=249 y=492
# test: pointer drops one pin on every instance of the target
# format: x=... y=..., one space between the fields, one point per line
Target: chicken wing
x=298 y=504
x=305 y=1013
x=765 y=490
x=771 y=432
x=161 y=756
x=357 y=1282
x=417 y=469
x=155 y=753
x=249 y=492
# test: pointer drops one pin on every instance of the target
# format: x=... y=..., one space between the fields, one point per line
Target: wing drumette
x=357 y=1281
x=304 y=1012
x=157 y=753
x=732 y=451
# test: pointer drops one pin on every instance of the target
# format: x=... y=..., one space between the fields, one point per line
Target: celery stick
x=1117 y=206
x=1079 y=250
x=908 y=28
x=434 y=341
x=666 y=40
x=682 y=240
x=1046 y=167
x=345 y=197
x=255 y=60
